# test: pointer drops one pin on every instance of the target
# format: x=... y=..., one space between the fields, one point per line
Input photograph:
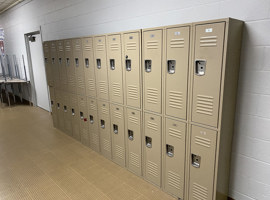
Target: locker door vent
x=133 y=92
x=199 y=192
x=106 y=145
x=119 y=151
x=152 y=44
x=102 y=87
x=152 y=95
x=100 y=47
x=205 y=105
x=78 y=47
x=92 y=107
x=176 y=99
x=104 y=110
x=133 y=120
x=134 y=159
x=131 y=46
x=177 y=43
x=116 y=89
x=152 y=168
x=208 y=41
x=117 y=115
x=153 y=126
x=114 y=46
x=202 y=142
x=88 y=47
x=91 y=84
x=174 y=180
x=175 y=133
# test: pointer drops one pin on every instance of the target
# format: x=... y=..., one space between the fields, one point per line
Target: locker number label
x=202 y=132
x=209 y=30
x=177 y=33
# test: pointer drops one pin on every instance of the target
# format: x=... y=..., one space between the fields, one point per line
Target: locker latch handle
x=60 y=61
x=148 y=142
x=195 y=160
x=169 y=150
x=171 y=66
x=81 y=115
x=77 y=62
x=46 y=60
x=115 y=129
x=67 y=61
x=65 y=108
x=112 y=64
x=86 y=62
x=58 y=106
x=53 y=60
x=73 y=112
x=52 y=103
x=128 y=64
x=200 y=67
x=148 y=65
x=130 y=135
x=102 y=123
x=91 y=119
x=98 y=63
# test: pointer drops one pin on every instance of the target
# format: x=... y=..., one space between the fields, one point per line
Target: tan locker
x=47 y=61
x=75 y=117
x=54 y=65
x=79 y=66
x=176 y=74
x=89 y=67
x=104 y=129
x=132 y=50
x=114 y=53
x=152 y=148
x=59 y=109
x=93 y=126
x=174 y=157
x=82 y=102
x=152 y=61
x=70 y=66
x=118 y=134
x=133 y=141
x=101 y=67
x=53 y=107
x=202 y=166
x=209 y=41
x=67 y=114
x=61 y=65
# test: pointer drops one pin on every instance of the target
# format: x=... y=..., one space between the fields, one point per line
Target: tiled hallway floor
x=38 y=161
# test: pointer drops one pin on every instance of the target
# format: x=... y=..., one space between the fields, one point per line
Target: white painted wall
x=71 y=18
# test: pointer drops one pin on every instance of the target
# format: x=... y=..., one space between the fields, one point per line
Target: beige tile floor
x=38 y=161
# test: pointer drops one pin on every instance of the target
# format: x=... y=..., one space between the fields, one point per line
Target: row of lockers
x=135 y=139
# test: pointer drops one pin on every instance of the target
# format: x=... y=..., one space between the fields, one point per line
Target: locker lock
x=169 y=150
x=102 y=123
x=195 y=160
x=53 y=60
x=77 y=62
x=67 y=61
x=98 y=63
x=200 y=67
x=171 y=66
x=60 y=60
x=112 y=64
x=58 y=106
x=65 y=108
x=52 y=103
x=115 y=129
x=73 y=112
x=86 y=62
x=128 y=64
x=130 y=135
x=91 y=119
x=46 y=60
x=81 y=115
x=148 y=65
x=148 y=142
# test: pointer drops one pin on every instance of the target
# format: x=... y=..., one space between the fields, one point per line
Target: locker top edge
x=226 y=20
x=166 y=27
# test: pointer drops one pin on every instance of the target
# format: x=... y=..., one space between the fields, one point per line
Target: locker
x=47 y=61
x=79 y=67
x=118 y=134
x=54 y=64
x=75 y=117
x=93 y=126
x=174 y=157
x=132 y=50
x=152 y=148
x=114 y=53
x=152 y=61
x=89 y=69
x=53 y=107
x=67 y=114
x=133 y=141
x=176 y=72
x=202 y=166
x=101 y=67
x=104 y=129
x=59 y=109
x=61 y=65
x=209 y=39
x=82 y=101
x=70 y=66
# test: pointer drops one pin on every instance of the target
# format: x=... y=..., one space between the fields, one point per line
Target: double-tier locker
x=101 y=68
x=114 y=54
x=118 y=134
x=152 y=148
x=67 y=114
x=47 y=61
x=53 y=107
x=134 y=141
x=152 y=60
x=89 y=67
x=59 y=109
x=70 y=67
x=79 y=66
x=93 y=125
x=61 y=65
x=176 y=71
x=54 y=64
x=75 y=116
x=82 y=102
x=105 y=129
x=132 y=74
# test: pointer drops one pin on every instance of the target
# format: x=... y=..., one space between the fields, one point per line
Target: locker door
x=67 y=114
x=47 y=61
x=89 y=69
x=53 y=107
x=174 y=160
x=132 y=69
x=176 y=75
x=101 y=67
x=93 y=127
x=79 y=67
x=152 y=61
x=207 y=72
x=152 y=148
x=62 y=65
x=202 y=168
x=118 y=134
x=104 y=129
x=75 y=117
x=114 y=52
x=82 y=101
x=70 y=66
x=133 y=145
x=59 y=109
x=54 y=65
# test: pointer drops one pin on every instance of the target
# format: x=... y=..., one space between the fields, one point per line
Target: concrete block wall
x=250 y=172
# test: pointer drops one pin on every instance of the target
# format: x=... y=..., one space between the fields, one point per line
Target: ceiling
x=6 y=4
